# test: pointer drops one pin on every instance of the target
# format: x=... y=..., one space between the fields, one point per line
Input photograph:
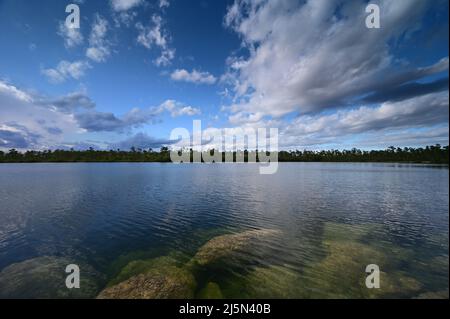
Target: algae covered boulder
x=137 y=267
x=341 y=273
x=225 y=245
x=210 y=291
x=158 y=278
x=45 y=278
x=271 y=282
x=443 y=294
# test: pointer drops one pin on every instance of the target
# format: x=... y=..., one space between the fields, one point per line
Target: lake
x=224 y=230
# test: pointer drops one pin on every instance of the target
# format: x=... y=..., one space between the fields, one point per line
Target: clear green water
x=223 y=231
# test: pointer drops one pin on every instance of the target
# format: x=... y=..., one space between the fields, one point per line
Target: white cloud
x=96 y=54
x=177 y=109
x=68 y=103
x=99 y=47
x=10 y=90
x=156 y=35
x=418 y=112
x=95 y=121
x=414 y=122
x=27 y=123
x=312 y=55
x=166 y=57
x=193 y=77
x=98 y=51
x=164 y=3
x=152 y=35
x=32 y=121
x=417 y=121
x=366 y=126
x=124 y=5
x=66 y=70
x=72 y=36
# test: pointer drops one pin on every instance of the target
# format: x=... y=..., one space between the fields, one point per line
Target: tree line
x=435 y=154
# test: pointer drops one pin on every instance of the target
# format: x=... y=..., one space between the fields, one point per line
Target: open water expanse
x=223 y=230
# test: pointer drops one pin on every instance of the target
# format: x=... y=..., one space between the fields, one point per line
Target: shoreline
x=164 y=162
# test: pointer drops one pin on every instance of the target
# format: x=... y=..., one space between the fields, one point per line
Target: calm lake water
x=309 y=231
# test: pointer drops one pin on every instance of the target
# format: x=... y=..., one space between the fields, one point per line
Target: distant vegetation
x=431 y=154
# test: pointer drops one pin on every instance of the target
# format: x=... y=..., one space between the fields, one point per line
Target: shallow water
x=327 y=222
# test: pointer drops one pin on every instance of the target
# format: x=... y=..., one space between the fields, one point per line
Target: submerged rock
x=164 y=277
x=210 y=291
x=273 y=282
x=223 y=246
x=45 y=278
x=434 y=295
x=137 y=267
x=341 y=274
x=157 y=278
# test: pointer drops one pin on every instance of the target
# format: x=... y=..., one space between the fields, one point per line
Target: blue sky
x=137 y=69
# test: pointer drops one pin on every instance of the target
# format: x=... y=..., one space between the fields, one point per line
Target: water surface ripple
x=328 y=215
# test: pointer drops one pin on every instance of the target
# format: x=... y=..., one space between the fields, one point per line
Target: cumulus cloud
x=425 y=111
x=152 y=35
x=68 y=103
x=166 y=57
x=194 y=76
x=98 y=51
x=66 y=70
x=26 y=122
x=33 y=121
x=414 y=122
x=13 y=135
x=312 y=55
x=177 y=109
x=155 y=35
x=124 y=5
x=13 y=92
x=72 y=36
x=94 y=121
x=99 y=46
